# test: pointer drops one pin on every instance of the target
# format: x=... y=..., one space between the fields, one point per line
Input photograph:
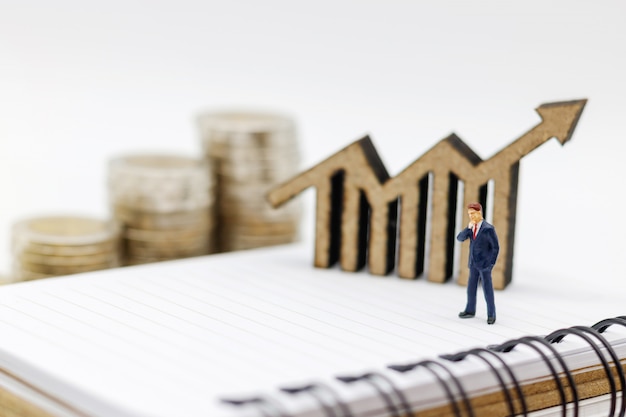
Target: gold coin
x=64 y=269
x=66 y=230
x=66 y=250
x=68 y=261
x=24 y=275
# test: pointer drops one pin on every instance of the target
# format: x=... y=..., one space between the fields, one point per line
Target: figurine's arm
x=495 y=246
x=464 y=234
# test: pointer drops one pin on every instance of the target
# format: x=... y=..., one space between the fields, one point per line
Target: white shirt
x=477 y=226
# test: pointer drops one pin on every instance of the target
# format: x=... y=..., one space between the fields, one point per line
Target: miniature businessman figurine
x=483 y=253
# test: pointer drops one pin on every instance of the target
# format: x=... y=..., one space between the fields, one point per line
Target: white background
x=82 y=81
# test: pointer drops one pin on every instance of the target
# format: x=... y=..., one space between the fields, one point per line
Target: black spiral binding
x=375 y=379
x=428 y=364
x=601 y=327
x=479 y=352
x=397 y=404
x=266 y=406
x=583 y=333
x=329 y=400
x=530 y=342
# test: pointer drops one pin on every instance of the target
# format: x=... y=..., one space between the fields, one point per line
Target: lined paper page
x=172 y=338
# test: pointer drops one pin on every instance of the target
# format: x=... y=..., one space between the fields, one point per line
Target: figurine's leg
x=488 y=292
x=472 y=286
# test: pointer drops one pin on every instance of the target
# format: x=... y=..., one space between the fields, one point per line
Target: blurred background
x=83 y=82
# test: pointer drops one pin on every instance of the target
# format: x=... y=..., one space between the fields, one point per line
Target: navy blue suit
x=482 y=257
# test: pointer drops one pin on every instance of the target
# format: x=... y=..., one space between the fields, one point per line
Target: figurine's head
x=475 y=212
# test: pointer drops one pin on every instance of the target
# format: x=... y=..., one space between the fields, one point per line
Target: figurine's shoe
x=491 y=320
x=466 y=315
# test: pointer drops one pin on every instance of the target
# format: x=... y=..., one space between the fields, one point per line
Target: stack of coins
x=62 y=245
x=165 y=206
x=251 y=153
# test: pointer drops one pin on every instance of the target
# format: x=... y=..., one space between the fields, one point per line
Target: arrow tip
x=563 y=115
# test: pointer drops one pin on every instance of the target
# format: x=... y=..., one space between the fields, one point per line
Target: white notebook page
x=172 y=338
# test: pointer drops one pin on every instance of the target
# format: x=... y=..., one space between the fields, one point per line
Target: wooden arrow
x=357 y=201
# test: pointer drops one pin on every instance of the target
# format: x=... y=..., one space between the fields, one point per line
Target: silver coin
x=259 y=210
x=243 y=245
x=141 y=219
x=284 y=156
x=160 y=183
x=171 y=253
x=265 y=229
x=166 y=234
x=239 y=128
x=250 y=175
x=250 y=153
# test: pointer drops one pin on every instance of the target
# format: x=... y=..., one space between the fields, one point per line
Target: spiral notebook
x=262 y=333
